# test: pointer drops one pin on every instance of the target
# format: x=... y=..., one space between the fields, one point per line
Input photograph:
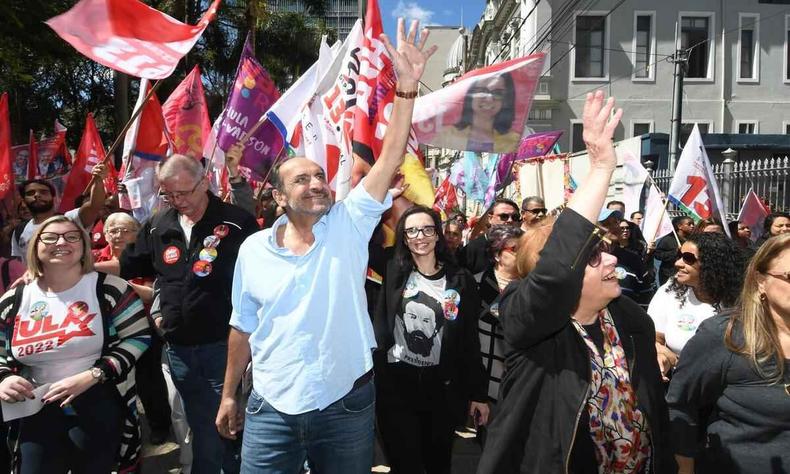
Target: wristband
x=406 y=95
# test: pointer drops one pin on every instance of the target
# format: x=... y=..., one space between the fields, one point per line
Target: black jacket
x=546 y=382
x=195 y=309
x=474 y=256
x=460 y=365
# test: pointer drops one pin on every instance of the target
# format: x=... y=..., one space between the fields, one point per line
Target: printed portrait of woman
x=487 y=117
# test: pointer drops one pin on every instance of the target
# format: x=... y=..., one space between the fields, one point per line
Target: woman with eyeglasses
x=486 y=122
x=582 y=392
x=429 y=373
x=729 y=400
x=708 y=279
x=503 y=242
x=73 y=336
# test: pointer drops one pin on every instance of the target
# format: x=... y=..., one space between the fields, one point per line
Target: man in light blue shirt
x=299 y=308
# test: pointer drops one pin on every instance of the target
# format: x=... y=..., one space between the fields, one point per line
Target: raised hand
x=410 y=57
x=599 y=126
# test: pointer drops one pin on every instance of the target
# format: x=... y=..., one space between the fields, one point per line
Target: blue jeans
x=198 y=373
x=336 y=440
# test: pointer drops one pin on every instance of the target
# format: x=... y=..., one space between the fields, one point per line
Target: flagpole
x=122 y=134
x=663 y=211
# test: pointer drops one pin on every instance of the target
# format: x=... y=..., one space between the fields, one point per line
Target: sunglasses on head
x=509 y=217
x=595 y=257
x=687 y=257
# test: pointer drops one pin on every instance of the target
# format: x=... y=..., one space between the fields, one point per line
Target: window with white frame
x=577 y=140
x=786 y=127
x=644 y=45
x=749 y=47
x=696 y=36
x=747 y=126
x=590 y=45
x=641 y=127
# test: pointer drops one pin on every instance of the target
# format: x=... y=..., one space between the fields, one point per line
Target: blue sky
x=431 y=12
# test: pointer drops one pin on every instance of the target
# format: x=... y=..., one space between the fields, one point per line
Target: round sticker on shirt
x=97 y=236
x=171 y=255
x=38 y=310
x=201 y=268
x=208 y=254
x=410 y=290
x=221 y=231
x=211 y=242
x=494 y=309
x=451 y=301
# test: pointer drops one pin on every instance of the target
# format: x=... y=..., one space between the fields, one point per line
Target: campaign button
x=171 y=255
x=201 y=268
x=221 y=231
x=208 y=254
x=211 y=242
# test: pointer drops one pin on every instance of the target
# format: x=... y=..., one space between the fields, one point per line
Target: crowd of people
x=279 y=336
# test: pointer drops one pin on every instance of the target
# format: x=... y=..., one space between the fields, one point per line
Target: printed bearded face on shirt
x=420 y=325
x=305 y=189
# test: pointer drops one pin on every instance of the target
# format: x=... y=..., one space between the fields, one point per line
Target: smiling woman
x=70 y=330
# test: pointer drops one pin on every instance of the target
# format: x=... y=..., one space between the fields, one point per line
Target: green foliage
x=47 y=79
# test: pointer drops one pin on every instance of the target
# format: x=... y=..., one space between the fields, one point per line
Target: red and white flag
x=753 y=214
x=446 y=198
x=693 y=188
x=129 y=36
x=89 y=154
x=6 y=175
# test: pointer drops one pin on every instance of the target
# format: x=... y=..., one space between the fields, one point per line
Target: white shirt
x=678 y=324
x=418 y=322
x=19 y=246
x=57 y=335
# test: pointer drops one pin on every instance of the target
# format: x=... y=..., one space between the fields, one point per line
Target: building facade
x=737 y=64
x=340 y=14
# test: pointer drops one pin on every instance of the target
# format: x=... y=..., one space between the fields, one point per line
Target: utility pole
x=362 y=8
x=680 y=59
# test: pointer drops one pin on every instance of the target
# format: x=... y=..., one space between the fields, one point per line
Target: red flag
x=129 y=36
x=89 y=154
x=446 y=197
x=186 y=116
x=753 y=214
x=32 y=159
x=6 y=179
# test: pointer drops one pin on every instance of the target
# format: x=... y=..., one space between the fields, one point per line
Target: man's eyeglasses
x=537 y=211
x=509 y=217
x=173 y=195
x=497 y=94
x=782 y=276
x=688 y=258
x=595 y=256
x=51 y=238
x=413 y=232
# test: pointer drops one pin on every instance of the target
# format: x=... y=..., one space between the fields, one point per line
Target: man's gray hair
x=177 y=163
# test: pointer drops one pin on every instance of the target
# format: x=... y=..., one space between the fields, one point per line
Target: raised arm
x=409 y=60
x=91 y=209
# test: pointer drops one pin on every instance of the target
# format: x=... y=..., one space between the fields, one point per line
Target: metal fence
x=768 y=178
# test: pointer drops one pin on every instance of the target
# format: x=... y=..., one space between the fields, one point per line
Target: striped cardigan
x=127 y=334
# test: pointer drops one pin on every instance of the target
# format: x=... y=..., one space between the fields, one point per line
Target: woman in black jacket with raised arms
x=582 y=390
x=429 y=373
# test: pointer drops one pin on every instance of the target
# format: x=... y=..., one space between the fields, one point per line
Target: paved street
x=164 y=459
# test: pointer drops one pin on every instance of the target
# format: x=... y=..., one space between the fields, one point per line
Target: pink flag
x=129 y=36
x=186 y=116
x=753 y=214
x=6 y=177
x=485 y=110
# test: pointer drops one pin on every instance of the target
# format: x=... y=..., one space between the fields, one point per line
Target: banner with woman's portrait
x=485 y=110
